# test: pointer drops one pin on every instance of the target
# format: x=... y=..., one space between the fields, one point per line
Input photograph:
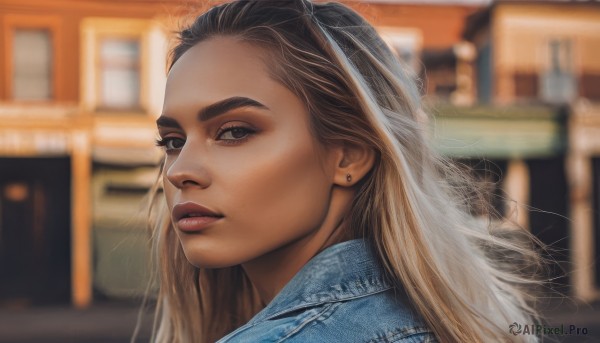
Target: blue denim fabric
x=340 y=295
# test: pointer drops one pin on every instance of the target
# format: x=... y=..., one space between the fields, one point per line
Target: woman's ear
x=353 y=163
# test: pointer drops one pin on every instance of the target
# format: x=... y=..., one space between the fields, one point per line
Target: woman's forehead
x=223 y=68
x=225 y=54
x=219 y=67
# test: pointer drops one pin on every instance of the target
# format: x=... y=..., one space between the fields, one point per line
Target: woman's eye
x=234 y=133
x=171 y=143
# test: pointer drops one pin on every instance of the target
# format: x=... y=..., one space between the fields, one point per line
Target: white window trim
x=412 y=35
x=153 y=52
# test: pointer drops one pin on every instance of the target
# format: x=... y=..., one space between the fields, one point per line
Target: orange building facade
x=80 y=89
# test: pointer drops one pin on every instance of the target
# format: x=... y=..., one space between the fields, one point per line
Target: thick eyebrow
x=163 y=121
x=213 y=110
x=227 y=105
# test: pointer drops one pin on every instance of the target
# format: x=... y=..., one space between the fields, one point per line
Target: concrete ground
x=114 y=322
x=106 y=322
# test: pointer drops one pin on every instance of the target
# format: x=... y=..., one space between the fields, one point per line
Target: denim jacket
x=340 y=295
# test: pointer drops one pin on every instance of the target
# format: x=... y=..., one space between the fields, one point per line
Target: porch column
x=81 y=280
x=579 y=173
x=516 y=186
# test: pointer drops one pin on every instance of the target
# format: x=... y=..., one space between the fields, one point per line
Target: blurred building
x=536 y=75
x=82 y=84
x=511 y=84
x=517 y=84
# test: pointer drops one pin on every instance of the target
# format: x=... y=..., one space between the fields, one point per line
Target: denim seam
x=324 y=313
x=235 y=333
x=400 y=334
x=428 y=336
x=308 y=304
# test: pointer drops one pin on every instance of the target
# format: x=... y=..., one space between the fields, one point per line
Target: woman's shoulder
x=379 y=317
x=341 y=295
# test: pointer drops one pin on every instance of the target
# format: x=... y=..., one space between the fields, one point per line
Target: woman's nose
x=188 y=170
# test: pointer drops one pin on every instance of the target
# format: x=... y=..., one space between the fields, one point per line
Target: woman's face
x=238 y=143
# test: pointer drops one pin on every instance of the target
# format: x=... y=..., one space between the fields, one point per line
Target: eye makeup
x=237 y=134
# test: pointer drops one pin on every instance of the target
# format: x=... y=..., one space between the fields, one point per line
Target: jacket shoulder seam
x=400 y=334
x=324 y=313
x=308 y=304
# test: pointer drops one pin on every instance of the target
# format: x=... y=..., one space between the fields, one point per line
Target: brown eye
x=234 y=133
x=175 y=143
x=171 y=143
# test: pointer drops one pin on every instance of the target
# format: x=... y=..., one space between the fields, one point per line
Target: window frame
x=94 y=31
x=53 y=25
x=100 y=106
x=407 y=34
x=546 y=66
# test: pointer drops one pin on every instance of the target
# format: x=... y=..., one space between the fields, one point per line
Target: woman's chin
x=205 y=259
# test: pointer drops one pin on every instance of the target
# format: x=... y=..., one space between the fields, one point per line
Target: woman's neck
x=271 y=272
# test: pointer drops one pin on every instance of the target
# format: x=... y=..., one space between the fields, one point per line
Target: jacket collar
x=342 y=271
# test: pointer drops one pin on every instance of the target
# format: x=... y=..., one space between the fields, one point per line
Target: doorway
x=35 y=240
x=548 y=218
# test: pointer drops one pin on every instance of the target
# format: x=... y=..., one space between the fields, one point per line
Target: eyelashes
x=170 y=143
x=238 y=134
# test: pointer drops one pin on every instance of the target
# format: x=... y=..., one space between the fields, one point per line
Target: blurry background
x=516 y=83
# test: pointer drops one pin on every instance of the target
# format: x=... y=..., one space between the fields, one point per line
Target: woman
x=304 y=202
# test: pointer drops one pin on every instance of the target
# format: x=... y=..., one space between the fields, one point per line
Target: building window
x=122 y=66
x=484 y=73
x=405 y=52
x=405 y=43
x=119 y=74
x=32 y=64
x=558 y=84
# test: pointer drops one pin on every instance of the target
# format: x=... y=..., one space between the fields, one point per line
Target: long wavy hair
x=466 y=277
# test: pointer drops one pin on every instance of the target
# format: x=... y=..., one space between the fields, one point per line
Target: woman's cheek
x=285 y=189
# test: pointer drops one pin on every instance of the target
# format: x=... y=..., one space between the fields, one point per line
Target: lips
x=192 y=217
x=192 y=210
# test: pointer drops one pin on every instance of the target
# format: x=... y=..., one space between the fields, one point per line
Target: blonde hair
x=415 y=206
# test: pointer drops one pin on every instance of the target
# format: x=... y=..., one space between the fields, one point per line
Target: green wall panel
x=499 y=133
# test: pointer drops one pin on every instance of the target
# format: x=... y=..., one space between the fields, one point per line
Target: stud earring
x=348 y=177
